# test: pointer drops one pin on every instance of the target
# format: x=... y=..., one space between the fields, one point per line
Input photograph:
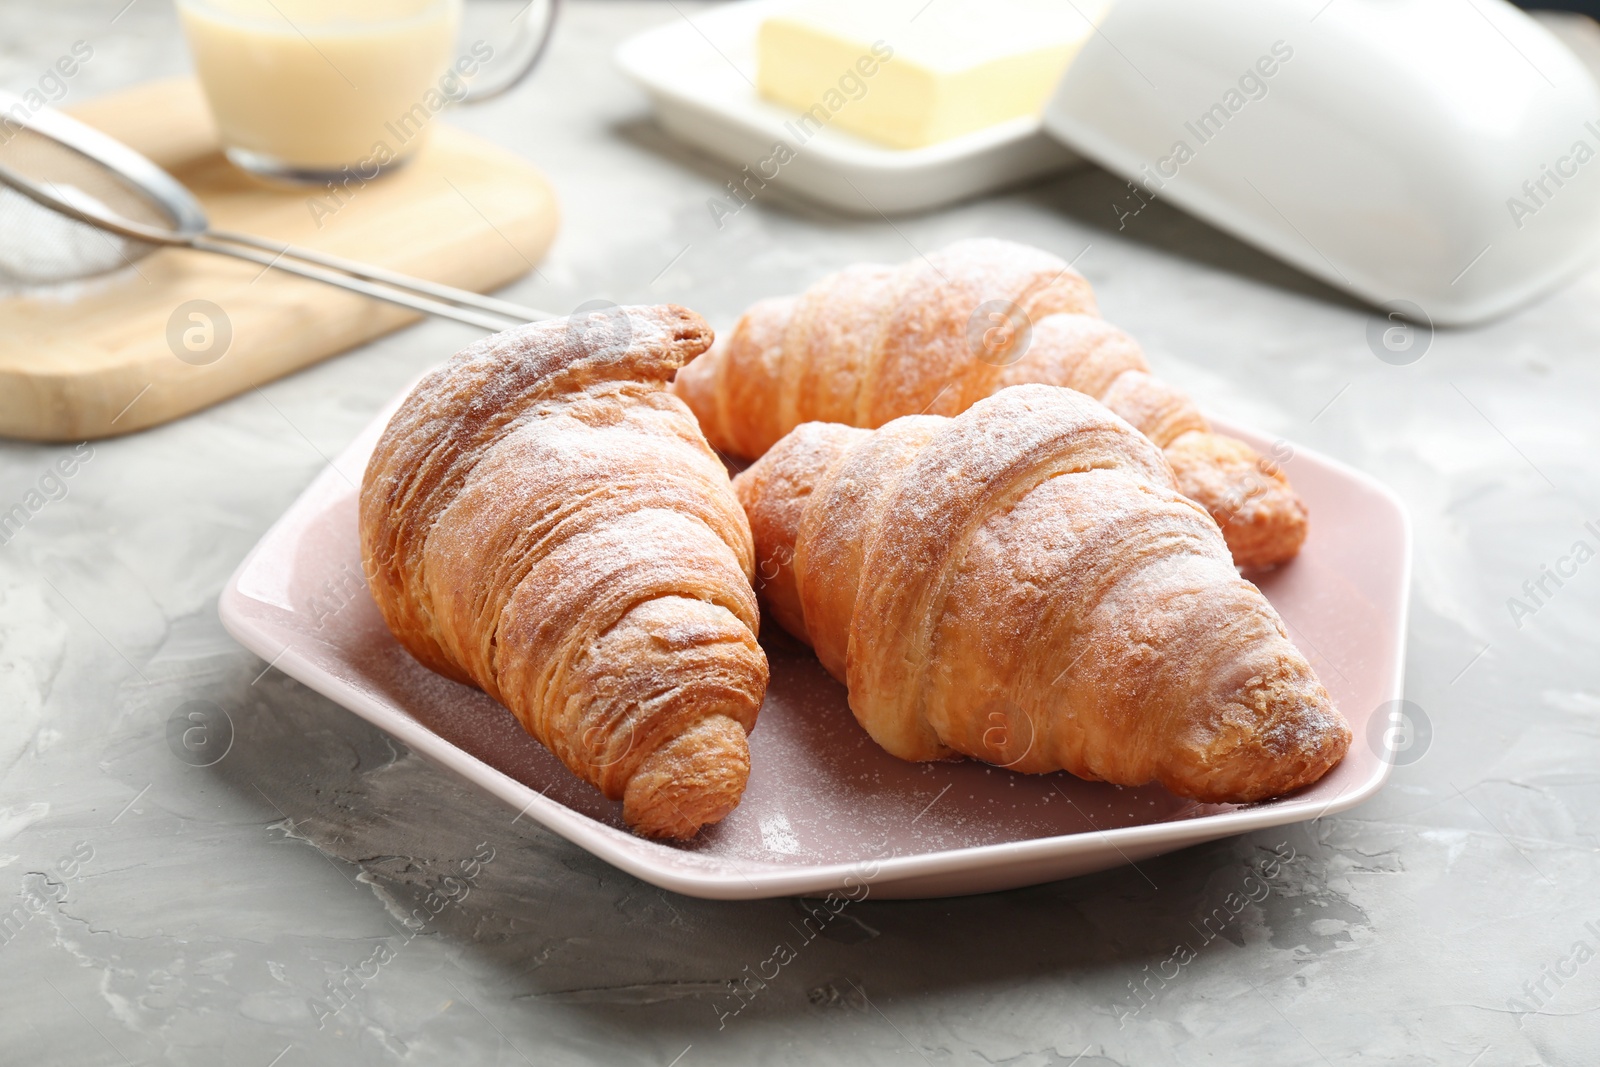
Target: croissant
x=1023 y=584
x=937 y=334
x=543 y=519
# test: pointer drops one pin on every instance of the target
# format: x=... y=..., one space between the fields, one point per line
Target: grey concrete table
x=245 y=913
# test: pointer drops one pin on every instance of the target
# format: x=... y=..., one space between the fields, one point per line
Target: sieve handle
x=404 y=297
x=394 y=279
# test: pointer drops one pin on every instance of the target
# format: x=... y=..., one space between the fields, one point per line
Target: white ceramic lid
x=1440 y=153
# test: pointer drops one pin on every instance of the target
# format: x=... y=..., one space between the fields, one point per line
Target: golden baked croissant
x=1023 y=584
x=543 y=519
x=935 y=335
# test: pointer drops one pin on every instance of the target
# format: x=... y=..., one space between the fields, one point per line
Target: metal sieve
x=77 y=203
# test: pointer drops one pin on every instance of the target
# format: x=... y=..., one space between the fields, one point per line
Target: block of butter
x=909 y=73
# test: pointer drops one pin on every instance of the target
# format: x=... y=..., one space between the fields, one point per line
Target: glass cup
x=307 y=90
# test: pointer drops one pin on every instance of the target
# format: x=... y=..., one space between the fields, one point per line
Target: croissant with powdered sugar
x=544 y=520
x=937 y=334
x=1023 y=584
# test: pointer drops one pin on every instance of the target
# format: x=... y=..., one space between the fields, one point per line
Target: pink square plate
x=826 y=809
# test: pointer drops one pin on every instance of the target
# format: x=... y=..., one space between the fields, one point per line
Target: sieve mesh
x=40 y=247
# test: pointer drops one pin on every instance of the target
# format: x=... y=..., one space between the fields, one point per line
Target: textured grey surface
x=204 y=915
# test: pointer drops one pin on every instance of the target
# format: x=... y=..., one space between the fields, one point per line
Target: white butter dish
x=700 y=72
x=1436 y=158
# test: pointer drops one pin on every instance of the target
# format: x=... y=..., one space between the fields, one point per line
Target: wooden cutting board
x=94 y=358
